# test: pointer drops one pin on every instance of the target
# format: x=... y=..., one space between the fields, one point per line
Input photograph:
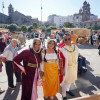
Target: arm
x=5 y=55
x=42 y=64
x=17 y=62
x=61 y=61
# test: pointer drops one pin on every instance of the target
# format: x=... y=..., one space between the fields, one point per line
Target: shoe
x=1 y=90
x=12 y=87
x=64 y=98
x=70 y=93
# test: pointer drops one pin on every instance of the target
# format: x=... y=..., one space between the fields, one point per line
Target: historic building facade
x=15 y=17
x=78 y=18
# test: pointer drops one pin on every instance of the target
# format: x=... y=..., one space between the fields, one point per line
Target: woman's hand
x=23 y=71
x=41 y=74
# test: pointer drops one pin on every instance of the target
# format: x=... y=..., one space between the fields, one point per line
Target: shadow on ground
x=12 y=94
x=86 y=84
x=87 y=47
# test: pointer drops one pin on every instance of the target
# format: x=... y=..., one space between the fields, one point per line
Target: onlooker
x=2 y=43
x=1 y=90
x=94 y=39
x=9 y=53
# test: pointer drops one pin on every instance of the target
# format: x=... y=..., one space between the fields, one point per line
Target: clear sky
x=59 y=7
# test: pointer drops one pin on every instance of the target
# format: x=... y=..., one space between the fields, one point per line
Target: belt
x=51 y=61
x=32 y=65
x=72 y=65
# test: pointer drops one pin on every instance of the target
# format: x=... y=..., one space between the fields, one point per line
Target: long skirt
x=51 y=83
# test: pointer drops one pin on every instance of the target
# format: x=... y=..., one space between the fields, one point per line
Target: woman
x=1 y=90
x=31 y=62
x=50 y=68
x=2 y=43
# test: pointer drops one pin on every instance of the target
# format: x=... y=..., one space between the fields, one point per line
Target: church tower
x=86 y=11
x=10 y=12
x=10 y=9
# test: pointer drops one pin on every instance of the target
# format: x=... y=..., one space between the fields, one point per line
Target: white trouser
x=65 y=87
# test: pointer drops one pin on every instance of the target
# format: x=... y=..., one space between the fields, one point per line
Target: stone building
x=15 y=17
x=84 y=14
x=90 y=23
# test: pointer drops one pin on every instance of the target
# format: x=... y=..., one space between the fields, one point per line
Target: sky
x=59 y=7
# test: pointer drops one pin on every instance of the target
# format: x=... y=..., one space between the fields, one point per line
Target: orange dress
x=51 y=83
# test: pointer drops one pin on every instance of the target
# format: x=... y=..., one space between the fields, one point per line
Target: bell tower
x=86 y=11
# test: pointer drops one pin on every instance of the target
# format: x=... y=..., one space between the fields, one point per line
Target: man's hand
x=4 y=59
x=62 y=72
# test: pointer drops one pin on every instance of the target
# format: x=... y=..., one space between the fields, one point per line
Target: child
x=1 y=90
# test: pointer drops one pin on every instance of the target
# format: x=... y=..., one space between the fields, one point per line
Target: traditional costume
x=31 y=62
x=51 y=76
x=68 y=62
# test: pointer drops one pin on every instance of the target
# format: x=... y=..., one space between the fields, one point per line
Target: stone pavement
x=87 y=84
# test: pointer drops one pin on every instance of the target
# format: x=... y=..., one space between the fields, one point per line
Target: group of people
x=95 y=38
x=42 y=64
x=5 y=39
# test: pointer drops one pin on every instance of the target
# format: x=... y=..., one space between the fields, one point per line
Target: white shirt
x=8 y=54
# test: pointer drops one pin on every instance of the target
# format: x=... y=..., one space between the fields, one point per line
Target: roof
x=93 y=20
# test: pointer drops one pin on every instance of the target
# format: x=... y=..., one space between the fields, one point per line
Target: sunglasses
x=67 y=39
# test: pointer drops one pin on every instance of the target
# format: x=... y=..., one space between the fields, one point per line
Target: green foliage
x=24 y=28
x=3 y=26
x=50 y=28
x=68 y=25
x=30 y=28
x=96 y=27
x=19 y=29
x=12 y=27
x=35 y=25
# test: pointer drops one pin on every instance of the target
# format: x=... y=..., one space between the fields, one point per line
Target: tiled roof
x=93 y=20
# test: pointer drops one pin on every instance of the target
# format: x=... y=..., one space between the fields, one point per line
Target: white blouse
x=48 y=56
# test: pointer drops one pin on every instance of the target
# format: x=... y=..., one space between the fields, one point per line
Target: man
x=74 y=38
x=68 y=56
x=9 y=53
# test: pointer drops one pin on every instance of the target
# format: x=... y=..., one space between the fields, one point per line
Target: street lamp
x=41 y=16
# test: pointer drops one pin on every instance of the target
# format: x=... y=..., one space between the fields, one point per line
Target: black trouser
x=81 y=62
x=9 y=72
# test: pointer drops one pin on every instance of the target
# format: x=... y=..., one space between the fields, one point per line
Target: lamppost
x=41 y=16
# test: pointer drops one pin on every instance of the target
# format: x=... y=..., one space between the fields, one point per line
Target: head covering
x=49 y=40
x=34 y=41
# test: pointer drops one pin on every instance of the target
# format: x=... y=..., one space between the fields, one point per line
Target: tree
x=35 y=25
x=19 y=29
x=12 y=27
x=96 y=27
x=50 y=28
x=30 y=28
x=24 y=28
x=3 y=26
x=68 y=25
